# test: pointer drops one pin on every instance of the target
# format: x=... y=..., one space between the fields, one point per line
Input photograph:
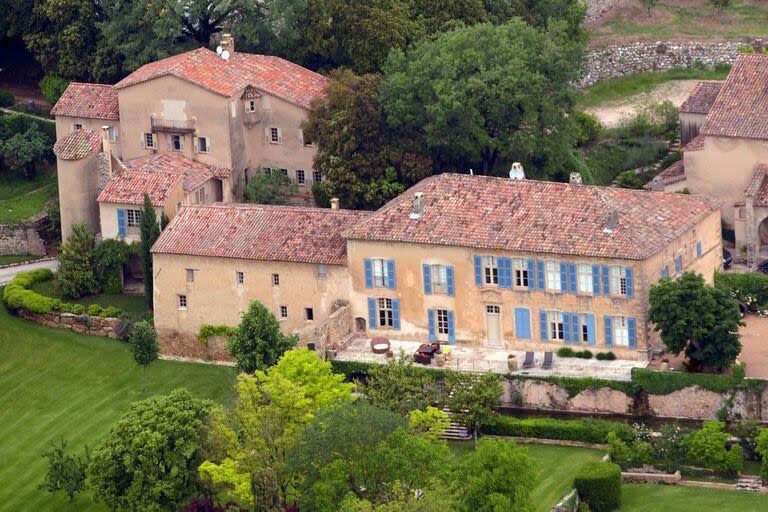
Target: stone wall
x=20 y=240
x=639 y=477
x=85 y=324
x=631 y=58
x=178 y=345
x=596 y=9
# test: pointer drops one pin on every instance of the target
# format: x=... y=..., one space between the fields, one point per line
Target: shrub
x=586 y=430
x=599 y=484
x=761 y=442
x=110 y=312
x=664 y=383
x=6 y=98
x=749 y=288
x=708 y=447
x=93 y=310
x=53 y=87
x=631 y=454
x=17 y=294
x=584 y=354
x=605 y=356
x=628 y=179
x=78 y=309
x=586 y=126
x=565 y=352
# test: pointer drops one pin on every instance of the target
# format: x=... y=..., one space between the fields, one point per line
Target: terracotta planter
x=512 y=362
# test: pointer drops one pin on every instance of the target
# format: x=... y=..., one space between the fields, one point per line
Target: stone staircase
x=456 y=431
x=749 y=483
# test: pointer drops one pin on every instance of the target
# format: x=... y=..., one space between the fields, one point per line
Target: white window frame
x=133 y=218
x=386 y=317
x=275 y=137
x=304 y=140
x=620 y=331
x=200 y=195
x=181 y=301
x=552 y=271
x=180 y=140
x=275 y=279
x=439 y=276
x=240 y=277
x=150 y=140
x=585 y=278
x=555 y=325
x=490 y=270
x=203 y=145
x=520 y=273
x=283 y=311
x=76 y=126
x=380 y=272
x=250 y=105
x=441 y=324
x=618 y=280
x=301 y=176
x=317 y=176
x=583 y=329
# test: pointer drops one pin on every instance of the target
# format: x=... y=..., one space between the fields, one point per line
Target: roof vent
x=611 y=221
x=517 y=172
x=575 y=178
x=418 y=205
x=334 y=203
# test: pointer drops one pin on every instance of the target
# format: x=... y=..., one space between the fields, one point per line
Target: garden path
x=6 y=274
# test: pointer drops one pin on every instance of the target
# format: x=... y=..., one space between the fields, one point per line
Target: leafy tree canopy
x=75 y=277
x=473 y=399
x=257 y=343
x=22 y=151
x=399 y=386
x=272 y=188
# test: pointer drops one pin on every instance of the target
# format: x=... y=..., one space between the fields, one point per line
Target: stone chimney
x=417 y=207
x=227 y=43
x=334 y=203
x=757 y=44
x=104 y=158
x=575 y=178
x=611 y=221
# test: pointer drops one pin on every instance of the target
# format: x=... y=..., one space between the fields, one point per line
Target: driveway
x=754 y=340
x=6 y=274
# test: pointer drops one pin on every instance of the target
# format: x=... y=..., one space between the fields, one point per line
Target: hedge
x=663 y=383
x=356 y=369
x=599 y=484
x=588 y=430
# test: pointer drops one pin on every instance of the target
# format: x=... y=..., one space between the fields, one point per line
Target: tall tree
x=399 y=386
x=66 y=472
x=698 y=319
x=22 y=151
x=77 y=258
x=357 y=156
x=473 y=399
x=145 y=350
x=257 y=343
x=272 y=188
x=149 y=229
x=485 y=94
x=148 y=460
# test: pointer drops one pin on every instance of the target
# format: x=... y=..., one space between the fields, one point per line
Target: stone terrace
x=482 y=359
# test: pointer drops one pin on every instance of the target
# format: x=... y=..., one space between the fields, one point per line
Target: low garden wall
x=83 y=323
x=596 y=9
x=639 y=477
x=18 y=240
x=175 y=344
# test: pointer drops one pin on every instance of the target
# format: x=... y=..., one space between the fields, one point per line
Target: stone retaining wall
x=617 y=60
x=596 y=9
x=85 y=324
x=17 y=240
x=637 y=477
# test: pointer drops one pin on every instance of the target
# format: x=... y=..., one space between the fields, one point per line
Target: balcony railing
x=160 y=124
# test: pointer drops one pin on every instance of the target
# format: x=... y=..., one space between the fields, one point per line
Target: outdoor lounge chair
x=529 y=361
x=548 y=361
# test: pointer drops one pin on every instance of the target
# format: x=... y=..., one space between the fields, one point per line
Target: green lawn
x=664 y=498
x=556 y=466
x=17 y=258
x=24 y=205
x=135 y=305
x=623 y=87
x=58 y=384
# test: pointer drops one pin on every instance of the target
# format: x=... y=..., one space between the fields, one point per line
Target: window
x=274 y=136
x=585 y=278
x=494 y=310
x=275 y=279
x=322 y=271
x=442 y=322
x=284 y=171
x=77 y=126
x=553 y=275
x=113 y=134
x=149 y=140
x=182 y=301
x=307 y=139
x=283 y=311
x=240 y=277
x=380 y=272
x=200 y=195
x=177 y=143
x=133 y=218
x=250 y=106
x=665 y=272
x=190 y=275
x=678 y=264
x=490 y=270
x=309 y=314
x=439 y=274
x=520 y=268
x=267 y=171
x=556 y=331
x=619 y=280
x=300 y=178
x=317 y=176
x=386 y=318
x=620 y=331
x=584 y=329
x=203 y=145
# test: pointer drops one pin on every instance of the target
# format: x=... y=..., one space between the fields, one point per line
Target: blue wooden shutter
x=575 y=328
x=632 y=332
x=451 y=328
x=540 y=274
x=678 y=264
x=523 y=323
x=122 y=223
x=396 y=314
x=606 y=280
x=427 y=279
x=608 y=331
x=564 y=277
x=531 y=275
x=630 y=283
x=567 y=328
x=450 y=281
x=478 y=271
x=573 y=282
x=543 y=325
x=664 y=273
x=698 y=249
x=372 y=320
x=368 y=273
x=390 y=274
x=590 y=321
x=596 y=279
x=431 y=321
x=505 y=272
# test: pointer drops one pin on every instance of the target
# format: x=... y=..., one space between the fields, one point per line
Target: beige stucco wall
x=108 y=215
x=65 y=126
x=78 y=189
x=215 y=298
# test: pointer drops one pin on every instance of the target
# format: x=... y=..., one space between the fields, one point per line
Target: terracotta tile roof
x=259 y=232
x=78 y=144
x=758 y=186
x=702 y=97
x=675 y=173
x=741 y=108
x=93 y=101
x=695 y=144
x=205 y=68
x=157 y=175
x=535 y=216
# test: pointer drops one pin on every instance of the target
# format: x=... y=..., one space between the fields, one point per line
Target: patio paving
x=483 y=359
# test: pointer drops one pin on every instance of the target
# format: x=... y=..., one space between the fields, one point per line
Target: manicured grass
x=15 y=258
x=556 y=466
x=135 y=305
x=57 y=384
x=12 y=183
x=21 y=207
x=663 y=498
x=626 y=86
